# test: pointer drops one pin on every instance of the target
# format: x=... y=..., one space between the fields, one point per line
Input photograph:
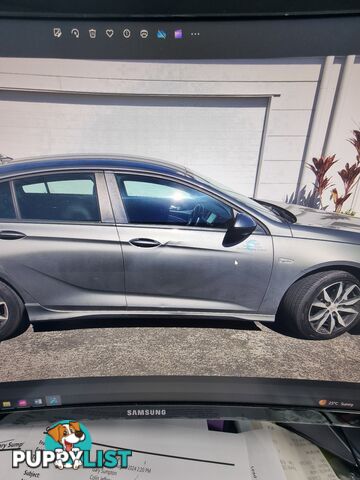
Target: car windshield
x=246 y=201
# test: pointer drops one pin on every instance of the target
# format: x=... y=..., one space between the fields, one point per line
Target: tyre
x=13 y=320
x=321 y=306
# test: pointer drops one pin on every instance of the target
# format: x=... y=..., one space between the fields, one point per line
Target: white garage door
x=218 y=137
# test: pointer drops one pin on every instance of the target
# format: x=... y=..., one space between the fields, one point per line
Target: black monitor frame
x=231 y=9
x=188 y=394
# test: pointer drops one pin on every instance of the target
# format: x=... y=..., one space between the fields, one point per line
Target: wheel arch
x=352 y=269
x=15 y=288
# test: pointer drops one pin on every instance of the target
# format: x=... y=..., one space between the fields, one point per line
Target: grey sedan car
x=98 y=236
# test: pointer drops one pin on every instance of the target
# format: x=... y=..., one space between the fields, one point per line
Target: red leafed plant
x=320 y=168
x=338 y=200
x=356 y=142
x=350 y=175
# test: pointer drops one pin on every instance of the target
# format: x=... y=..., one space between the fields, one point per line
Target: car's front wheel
x=12 y=313
x=321 y=306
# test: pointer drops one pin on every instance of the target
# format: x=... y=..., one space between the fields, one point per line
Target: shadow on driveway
x=150 y=322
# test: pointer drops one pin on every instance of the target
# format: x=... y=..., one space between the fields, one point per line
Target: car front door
x=62 y=247
x=172 y=241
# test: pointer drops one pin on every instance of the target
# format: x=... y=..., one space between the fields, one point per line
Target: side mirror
x=243 y=227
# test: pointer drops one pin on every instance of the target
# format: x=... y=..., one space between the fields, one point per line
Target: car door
x=171 y=236
x=61 y=248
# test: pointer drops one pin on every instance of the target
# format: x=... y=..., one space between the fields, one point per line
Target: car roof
x=9 y=167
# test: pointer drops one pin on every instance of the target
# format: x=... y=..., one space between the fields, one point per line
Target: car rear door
x=62 y=248
x=173 y=265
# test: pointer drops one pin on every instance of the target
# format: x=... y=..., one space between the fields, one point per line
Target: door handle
x=11 y=235
x=144 y=242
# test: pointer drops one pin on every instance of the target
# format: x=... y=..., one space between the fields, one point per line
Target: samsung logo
x=146 y=413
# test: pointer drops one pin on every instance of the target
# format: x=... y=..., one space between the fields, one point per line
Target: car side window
x=7 y=210
x=68 y=197
x=157 y=201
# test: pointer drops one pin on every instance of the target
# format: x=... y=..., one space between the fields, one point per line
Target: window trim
x=9 y=220
x=105 y=207
x=121 y=216
x=103 y=199
x=116 y=199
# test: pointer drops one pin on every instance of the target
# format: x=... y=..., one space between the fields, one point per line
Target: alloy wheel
x=4 y=313
x=334 y=309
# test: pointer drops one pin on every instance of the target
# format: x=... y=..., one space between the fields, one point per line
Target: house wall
x=290 y=85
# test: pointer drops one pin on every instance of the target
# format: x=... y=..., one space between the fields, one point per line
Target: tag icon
x=109 y=32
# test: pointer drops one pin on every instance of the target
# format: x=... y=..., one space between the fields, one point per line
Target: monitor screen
x=178 y=196
x=169 y=170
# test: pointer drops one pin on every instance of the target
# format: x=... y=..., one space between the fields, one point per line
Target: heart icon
x=109 y=32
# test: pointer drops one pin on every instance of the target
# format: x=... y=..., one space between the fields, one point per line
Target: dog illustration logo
x=68 y=445
x=70 y=437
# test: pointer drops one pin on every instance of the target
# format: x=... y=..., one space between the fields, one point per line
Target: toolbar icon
x=57 y=32
x=92 y=33
x=161 y=34
x=75 y=32
x=109 y=32
x=6 y=404
x=53 y=400
x=178 y=33
x=144 y=33
x=22 y=403
x=127 y=33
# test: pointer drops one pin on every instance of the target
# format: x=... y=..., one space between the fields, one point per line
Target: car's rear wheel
x=321 y=306
x=13 y=320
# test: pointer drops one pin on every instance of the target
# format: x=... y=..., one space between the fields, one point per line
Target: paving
x=168 y=350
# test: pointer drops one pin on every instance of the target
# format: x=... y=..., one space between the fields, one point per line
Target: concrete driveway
x=177 y=351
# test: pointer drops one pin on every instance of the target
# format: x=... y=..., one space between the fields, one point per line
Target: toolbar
x=247 y=39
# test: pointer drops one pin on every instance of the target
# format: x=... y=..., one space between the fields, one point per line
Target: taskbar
x=179 y=397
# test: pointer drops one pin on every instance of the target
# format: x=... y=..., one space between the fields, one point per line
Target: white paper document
x=177 y=450
x=300 y=459
x=264 y=461
x=161 y=450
